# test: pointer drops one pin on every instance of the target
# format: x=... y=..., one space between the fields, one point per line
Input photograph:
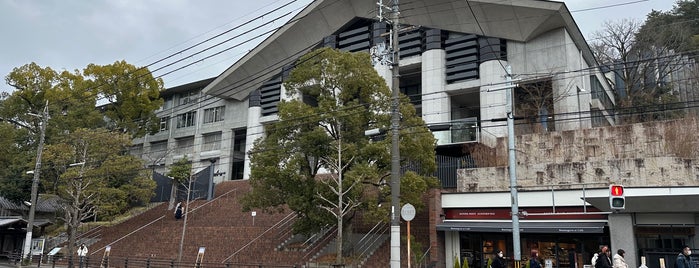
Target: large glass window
x=214 y=114
x=187 y=119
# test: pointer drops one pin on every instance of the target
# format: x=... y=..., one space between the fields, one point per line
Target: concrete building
x=200 y=128
x=454 y=56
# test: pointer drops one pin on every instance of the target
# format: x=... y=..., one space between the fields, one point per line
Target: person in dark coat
x=499 y=260
x=684 y=259
x=534 y=260
x=603 y=260
x=178 y=211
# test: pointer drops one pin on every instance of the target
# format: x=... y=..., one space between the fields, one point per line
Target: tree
x=132 y=95
x=316 y=160
x=181 y=173
x=15 y=160
x=72 y=98
x=643 y=58
x=100 y=177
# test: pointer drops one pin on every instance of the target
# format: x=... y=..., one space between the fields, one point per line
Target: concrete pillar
x=225 y=159
x=452 y=247
x=254 y=129
x=436 y=104
x=493 y=102
x=385 y=72
x=622 y=237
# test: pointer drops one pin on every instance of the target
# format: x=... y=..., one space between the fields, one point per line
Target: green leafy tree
x=72 y=98
x=15 y=159
x=132 y=95
x=100 y=177
x=316 y=160
x=180 y=172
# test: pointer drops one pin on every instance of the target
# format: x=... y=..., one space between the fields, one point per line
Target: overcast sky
x=71 y=34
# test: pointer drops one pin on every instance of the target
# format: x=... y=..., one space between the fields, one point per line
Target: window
x=212 y=141
x=214 y=114
x=158 y=149
x=184 y=145
x=164 y=123
x=239 y=140
x=187 y=119
x=187 y=98
x=136 y=150
x=167 y=103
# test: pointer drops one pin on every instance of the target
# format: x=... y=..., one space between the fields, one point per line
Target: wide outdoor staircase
x=234 y=238
x=219 y=226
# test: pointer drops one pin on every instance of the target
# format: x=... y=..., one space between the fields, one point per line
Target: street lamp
x=26 y=251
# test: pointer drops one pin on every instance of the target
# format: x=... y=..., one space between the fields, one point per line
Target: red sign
x=548 y=213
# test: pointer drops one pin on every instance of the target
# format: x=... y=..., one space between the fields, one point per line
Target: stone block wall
x=664 y=153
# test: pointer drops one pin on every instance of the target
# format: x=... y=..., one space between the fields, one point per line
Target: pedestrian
x=603 y=260
x=178 y=211
x=534 y=260
x=594 y=259
x=684 y=259
x=82 y=252
x=618 y=260
x=499 y=260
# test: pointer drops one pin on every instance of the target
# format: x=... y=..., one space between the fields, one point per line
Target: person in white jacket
x=618 y=259
x=82 y=252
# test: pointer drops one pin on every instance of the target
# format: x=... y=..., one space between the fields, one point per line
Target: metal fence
x=120 y=262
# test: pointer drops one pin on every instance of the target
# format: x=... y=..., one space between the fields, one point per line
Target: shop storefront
x=565 y=227
x=561 y=236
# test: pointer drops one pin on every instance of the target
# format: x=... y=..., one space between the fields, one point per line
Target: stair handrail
x=367 y=246
x=156 y=220
x=318 y=243
x=323 y=231
x=371 y=231
x=292 y=215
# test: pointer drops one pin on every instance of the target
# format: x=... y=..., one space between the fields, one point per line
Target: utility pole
x=395 y=146
x=385 y=57
x=35 y=182
x=513 y=168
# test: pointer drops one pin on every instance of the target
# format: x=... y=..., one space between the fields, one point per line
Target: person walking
x=618 y=259
x=684 y=259
x=499 y=261
x=603 y=260
x=534 y=260
x=82 y=253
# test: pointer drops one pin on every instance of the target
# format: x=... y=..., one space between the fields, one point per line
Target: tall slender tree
x=316 y=159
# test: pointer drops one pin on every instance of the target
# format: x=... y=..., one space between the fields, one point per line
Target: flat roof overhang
x=544 y=227
x=519 y=20
x=651 y=200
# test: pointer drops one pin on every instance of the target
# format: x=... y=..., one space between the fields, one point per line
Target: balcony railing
x=456 y=131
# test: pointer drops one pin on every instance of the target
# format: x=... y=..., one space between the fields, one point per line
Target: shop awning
x=524 y=227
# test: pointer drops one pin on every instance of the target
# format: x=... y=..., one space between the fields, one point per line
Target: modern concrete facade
x=453 y=67
x=200 y=128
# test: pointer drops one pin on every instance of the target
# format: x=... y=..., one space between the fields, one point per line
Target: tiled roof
x=47 y=203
